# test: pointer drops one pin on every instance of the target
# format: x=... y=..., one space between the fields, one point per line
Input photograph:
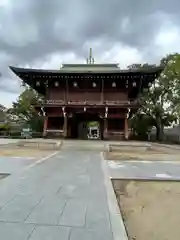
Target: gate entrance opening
x=86 y=126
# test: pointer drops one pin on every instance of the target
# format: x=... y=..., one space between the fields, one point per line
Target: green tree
x=161 y=101
x=2 y=113
x=171 y=81
x=141 y=125
x=24 y=109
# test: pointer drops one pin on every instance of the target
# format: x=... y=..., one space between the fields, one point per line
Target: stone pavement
x=12 y=165
x=64 y=197
x=157 y=170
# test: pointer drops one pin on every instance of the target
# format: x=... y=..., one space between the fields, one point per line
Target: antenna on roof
x=90 y=60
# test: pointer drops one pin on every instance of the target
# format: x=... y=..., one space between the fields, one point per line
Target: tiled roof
x=99 y=68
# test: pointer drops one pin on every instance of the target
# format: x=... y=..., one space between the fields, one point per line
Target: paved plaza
x=64 y=197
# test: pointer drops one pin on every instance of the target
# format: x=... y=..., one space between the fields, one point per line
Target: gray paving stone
x=6 y=198
x=67 y=190
x=50 y=233
x=18 y=209
x=13 y=164
x=97 y=216
x=13 y=231
x=48 y=211
x=74 y=213
x=49 y=188
x=40 y=187
x=78 y=234
x=83 y=179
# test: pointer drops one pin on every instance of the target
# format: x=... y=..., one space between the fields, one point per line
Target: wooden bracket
x=64 y=111
x=106 y=112
x=127 y=115
x=44 y=113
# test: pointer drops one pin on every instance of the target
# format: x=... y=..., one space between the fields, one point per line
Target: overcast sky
x=47 y=33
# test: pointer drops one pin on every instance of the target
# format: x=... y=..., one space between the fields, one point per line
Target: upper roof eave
x=17 y=70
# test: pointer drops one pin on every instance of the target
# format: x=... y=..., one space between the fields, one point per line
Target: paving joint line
x=31 y=233
x=33 y=208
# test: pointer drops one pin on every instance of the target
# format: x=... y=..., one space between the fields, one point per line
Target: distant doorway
x=86 y=126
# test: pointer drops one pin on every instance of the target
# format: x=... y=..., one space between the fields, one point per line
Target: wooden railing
x=78 y=102
x=54 y=102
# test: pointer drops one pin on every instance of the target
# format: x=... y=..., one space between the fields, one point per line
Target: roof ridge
x=89 y=65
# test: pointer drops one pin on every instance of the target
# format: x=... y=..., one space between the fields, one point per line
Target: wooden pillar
x=105 y=123
x=65 y=121
x=102 y=91
x=105 y=128
x=66 y=91
x=126 y=128
x=45 y=126
x=65 y=126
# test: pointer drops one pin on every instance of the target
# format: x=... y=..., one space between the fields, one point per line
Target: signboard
x=26 y=133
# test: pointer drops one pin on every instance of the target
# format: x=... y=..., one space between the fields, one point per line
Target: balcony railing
x=78 y=102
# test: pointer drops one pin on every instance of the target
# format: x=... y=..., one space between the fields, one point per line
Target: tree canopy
x=162 y=101
x=24 y=109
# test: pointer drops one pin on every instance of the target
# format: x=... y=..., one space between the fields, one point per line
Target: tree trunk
x=159 y=130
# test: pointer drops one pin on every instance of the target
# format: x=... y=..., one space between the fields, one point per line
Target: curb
x=117 y=224
x=173 y=147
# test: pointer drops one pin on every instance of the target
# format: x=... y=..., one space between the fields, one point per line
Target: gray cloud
x=31 y=29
